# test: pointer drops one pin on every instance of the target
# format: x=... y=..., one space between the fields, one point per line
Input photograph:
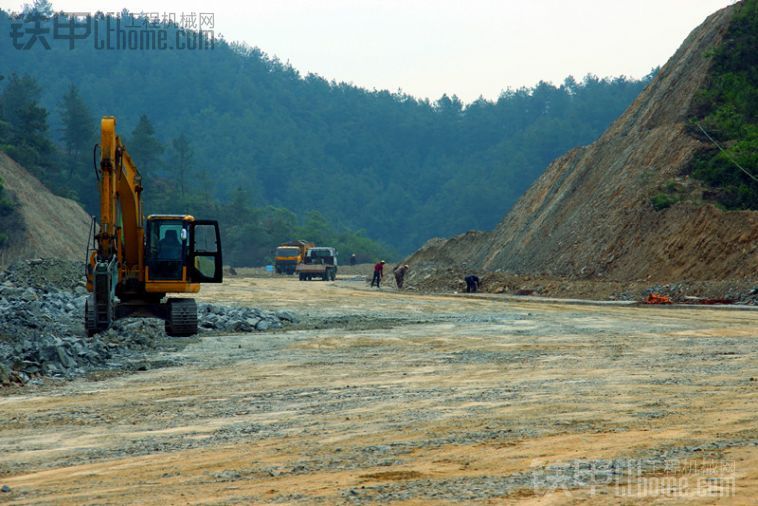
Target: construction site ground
x=386 y=396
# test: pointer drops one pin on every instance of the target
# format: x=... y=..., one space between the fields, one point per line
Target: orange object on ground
x=654 y=298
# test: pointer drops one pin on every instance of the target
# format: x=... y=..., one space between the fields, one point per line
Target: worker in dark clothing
x=378 y=274
x=400 y=272
x=353 y=259
x=472 y=283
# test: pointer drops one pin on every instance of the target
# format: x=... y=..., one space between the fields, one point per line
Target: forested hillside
x=232 y=124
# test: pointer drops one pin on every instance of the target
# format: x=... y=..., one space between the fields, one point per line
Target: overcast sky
x=430 y=47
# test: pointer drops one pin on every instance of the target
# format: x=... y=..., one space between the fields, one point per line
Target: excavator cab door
x=205 y=263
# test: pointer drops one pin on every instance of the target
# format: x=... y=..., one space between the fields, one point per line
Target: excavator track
x=90 y=320
x=181 y=317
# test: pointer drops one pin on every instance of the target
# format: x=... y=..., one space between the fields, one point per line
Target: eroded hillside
x=53 y=227
x=590 y=214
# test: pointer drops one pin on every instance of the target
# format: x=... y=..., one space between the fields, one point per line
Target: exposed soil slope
x=55 y=227
x=589 y=214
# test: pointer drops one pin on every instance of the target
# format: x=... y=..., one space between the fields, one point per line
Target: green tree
x=317 y=228
x=6 y=204
x=11 y=222
x=44 y=7
x=145 y=148
x=182 y=162
x=5 y=127
x=28 y=140
x=78 y=128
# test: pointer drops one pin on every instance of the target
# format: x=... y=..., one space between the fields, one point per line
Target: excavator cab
x=181 y=252
x=167 y=242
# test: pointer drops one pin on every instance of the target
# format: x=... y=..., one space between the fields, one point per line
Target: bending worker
x=400 y=272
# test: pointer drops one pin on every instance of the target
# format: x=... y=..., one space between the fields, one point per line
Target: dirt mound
x=590 y=216
x=55 y=227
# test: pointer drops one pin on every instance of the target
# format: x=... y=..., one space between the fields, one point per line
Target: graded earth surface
x=385 y=396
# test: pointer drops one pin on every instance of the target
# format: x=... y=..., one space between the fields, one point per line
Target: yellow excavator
x=134 y=263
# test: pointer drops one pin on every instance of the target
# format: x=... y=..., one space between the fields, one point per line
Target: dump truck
x=289 y=255
x=320 y=262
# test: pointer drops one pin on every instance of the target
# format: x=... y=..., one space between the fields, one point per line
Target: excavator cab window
x=166 y=249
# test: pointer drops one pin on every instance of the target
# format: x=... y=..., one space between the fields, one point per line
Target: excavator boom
x=121 y=220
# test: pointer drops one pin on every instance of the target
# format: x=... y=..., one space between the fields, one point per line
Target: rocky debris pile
x=42 y=331
x=678 y=292
x=26 y=312
x=48 y=355
x=218 y=318
x=749 y=298
x=46 y=274
x=42 y=334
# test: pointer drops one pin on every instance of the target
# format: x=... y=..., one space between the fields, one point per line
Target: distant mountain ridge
x=400 y=168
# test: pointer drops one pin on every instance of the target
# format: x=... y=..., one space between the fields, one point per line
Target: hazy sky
x=431 y=47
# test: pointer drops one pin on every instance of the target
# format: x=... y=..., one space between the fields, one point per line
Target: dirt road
x=386 y=396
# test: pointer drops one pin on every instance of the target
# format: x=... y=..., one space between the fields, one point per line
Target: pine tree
x=28 y=140
x=183 y=156
x=5 y=128
x=78 y=131
x=144 y=147
x=44 y=7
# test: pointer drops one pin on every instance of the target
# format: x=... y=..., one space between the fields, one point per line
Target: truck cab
x=289 y=254
x=287 y=258
x=319 y=262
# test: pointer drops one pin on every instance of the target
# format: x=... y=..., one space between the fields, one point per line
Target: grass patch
x=661 y=201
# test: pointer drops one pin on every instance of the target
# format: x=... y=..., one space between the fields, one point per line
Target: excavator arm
x=121 y=219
